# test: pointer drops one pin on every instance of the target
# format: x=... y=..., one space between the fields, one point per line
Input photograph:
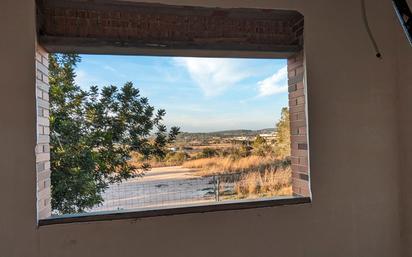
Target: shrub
x=267 y=184
x=208 y=153
x=176 y=158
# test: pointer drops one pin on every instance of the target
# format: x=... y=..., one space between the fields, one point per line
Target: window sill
x=145 y=213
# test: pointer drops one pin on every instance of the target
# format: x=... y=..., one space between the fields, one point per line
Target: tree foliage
x=282 y=136
x=261 y=146
x=93 y=134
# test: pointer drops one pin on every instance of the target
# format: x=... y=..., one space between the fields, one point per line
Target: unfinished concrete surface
x=361 y=151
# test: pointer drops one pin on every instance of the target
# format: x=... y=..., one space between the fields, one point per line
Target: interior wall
x=405 y=137
x=354 y=150
x=18 y=234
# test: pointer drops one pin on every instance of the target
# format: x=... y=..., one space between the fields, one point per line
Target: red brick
x=298 y=138
x=300 y=169
x=300 y=70
x=297 y=108
x=299 y=153
x=297 y=93
x=303 y=160
x=298 y=124
x=300 y=187
x=294 y=65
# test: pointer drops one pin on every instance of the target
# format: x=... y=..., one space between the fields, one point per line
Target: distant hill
x=227 y=133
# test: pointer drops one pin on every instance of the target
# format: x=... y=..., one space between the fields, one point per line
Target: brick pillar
x=298 y=126
x=43 y=132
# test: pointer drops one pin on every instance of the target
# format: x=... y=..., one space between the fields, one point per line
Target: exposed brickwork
x=169 y=26
x=145 y=25
x=298 y=125
x=297 y=28
x=43 y=132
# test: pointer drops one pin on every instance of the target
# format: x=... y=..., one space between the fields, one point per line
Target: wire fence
x=140 y=193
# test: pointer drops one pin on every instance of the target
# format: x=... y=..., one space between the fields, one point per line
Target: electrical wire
x=368 y=30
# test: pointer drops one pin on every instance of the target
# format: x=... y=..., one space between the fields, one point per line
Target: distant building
x=241 y=138
x=269 y=136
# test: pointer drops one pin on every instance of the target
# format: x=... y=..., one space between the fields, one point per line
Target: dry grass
x=172 y=159
x=255 y=177
x=267 y=184
x=219 y=165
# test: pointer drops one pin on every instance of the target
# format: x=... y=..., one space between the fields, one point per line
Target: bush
x=265 y=184
x=240 y=152
x=176 y=158
x=208 y=153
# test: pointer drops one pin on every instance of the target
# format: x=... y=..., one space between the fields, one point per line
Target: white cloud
x=110 y=68
x=213 y=75
x=275 y=84
x=85 y=80
x=114 y=71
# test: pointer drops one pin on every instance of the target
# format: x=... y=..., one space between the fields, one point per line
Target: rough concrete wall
x=18 y=234
x=354 y=160
x=405 y=138
x=354 y=146
x=43 y=134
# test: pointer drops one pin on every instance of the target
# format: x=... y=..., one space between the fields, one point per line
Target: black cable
x=368 y=29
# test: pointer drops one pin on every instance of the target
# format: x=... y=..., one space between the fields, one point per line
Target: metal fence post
x=217 y=185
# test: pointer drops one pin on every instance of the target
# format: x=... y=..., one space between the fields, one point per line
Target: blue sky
x=198 y=94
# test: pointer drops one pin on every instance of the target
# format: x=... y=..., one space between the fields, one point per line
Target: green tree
x=260 y=146
x=94 y=133
x=282 y=136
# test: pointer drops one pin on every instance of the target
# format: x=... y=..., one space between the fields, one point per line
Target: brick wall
x=43 y=131
x=298 y=126
x=146 y=25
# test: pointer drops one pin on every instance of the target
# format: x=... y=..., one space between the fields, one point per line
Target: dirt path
x=168 y=173
x=160 y=187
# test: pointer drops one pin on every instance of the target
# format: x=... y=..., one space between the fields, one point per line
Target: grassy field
x=250 y=167
x=250 y=177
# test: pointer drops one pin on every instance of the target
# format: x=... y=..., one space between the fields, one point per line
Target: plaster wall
x=359 y=120
x=404 y=68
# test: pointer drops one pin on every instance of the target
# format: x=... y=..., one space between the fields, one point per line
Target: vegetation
x=282 y=136
x=224 y=165
x=263 y=184
x=170 y=159
x=94 y=133
x=246 y=155
x=252 y=176
x=208 y=153
x=258 y=167
x=108 y=135
x=261 y=147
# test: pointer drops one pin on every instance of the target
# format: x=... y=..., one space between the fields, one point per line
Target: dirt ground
x=160 y=187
